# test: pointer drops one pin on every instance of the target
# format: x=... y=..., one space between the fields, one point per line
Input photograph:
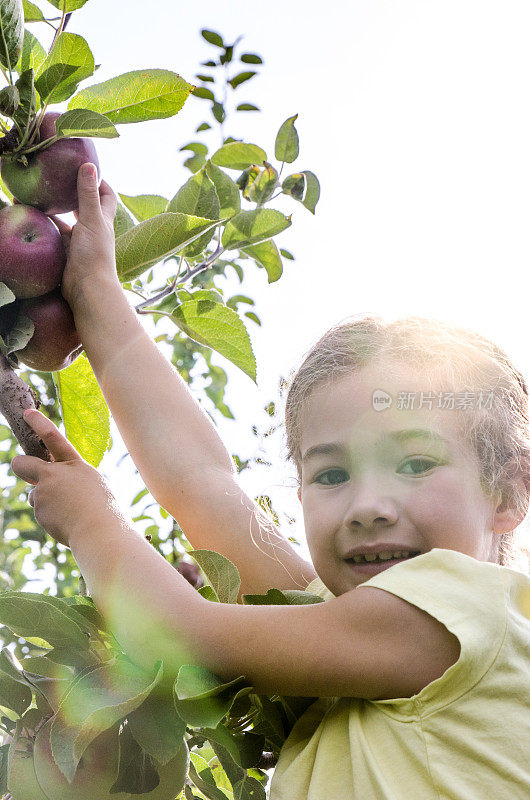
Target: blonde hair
x=497 y=430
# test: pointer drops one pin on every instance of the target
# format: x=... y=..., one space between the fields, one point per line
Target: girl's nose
x=370 y=507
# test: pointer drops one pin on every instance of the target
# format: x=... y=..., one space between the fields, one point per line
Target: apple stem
x=15 y=397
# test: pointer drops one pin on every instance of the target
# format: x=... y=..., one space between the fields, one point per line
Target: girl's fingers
x=108 y=199
x=88 y=194
x=61 y=225
x=59 y=447
x=29 y=468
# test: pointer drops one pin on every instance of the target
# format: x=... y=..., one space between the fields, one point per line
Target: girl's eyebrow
x=334 y=448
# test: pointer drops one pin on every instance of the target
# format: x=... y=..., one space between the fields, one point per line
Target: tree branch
x=15 y=397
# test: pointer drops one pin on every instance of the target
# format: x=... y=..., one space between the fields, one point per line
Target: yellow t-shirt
x=465 y=736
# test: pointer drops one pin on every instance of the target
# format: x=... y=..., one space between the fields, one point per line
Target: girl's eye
x=418 y=465
x=332 y=477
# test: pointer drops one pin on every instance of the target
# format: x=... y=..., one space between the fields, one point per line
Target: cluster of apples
x=32 y=254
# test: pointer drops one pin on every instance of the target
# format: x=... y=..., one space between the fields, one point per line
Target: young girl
x=412 y=448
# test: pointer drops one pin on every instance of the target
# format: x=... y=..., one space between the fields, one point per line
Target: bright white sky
x=415 y=117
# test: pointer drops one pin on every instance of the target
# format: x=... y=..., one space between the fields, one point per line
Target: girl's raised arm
x=175 y=446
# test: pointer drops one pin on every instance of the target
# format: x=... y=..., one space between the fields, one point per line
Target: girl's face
x=387 y=480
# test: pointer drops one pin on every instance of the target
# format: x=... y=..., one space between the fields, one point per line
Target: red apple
x=49 y=181
x=32 y=255
x=55 y=343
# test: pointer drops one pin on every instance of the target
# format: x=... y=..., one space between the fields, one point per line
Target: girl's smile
x=396 y=482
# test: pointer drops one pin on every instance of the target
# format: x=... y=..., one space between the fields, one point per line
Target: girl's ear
x=299 y=493
x=507 y=517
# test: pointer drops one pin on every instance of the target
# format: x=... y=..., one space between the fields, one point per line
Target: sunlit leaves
x=144 y=206
x=136 y=96
x=251 y=227
x=82 y=122
x=238 y=155
x=227 y=191
x=266 y=255
x=304 y=187
x=11 y=32
x=32 y=13
x=71 y=5
x=33 y=54
x=287 y=146
x=155 y=239
x=197 y=197
x=84 y=410
x=69 y=62
x=264 y=185
x=27 y=102
x=218 y=327
x=241 y=78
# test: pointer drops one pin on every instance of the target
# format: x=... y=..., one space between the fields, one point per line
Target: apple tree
x=77 y=709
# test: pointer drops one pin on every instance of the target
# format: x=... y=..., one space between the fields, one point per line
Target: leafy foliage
x=77 y=679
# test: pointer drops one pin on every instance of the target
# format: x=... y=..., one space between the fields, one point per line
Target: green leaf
x=212 y=37
x=32 y=13
x=196 y=683
x=312 y=193
x=136 y=96
x=286 y=147
x=220 y=572
x=295 y=185
x=246 y=107
x=244 y=748
x=251 y=227
x=207 y=789
x=70 y=62
x=19 y=334
x=85 y=413
x=28 y=101
x=197 y=197
x=33 y=54
x=15 y=690
x=251 y=58
x=227 y=191
x=122 y=221
x=264 y=185
x=241 y=78
x=201 y=699
x=220 y=328
x=33 y=615
x=266 y=255
x=277 y=597
x=6 y=295
x=11 y=32
x=71 y=5
x=238 y=155
x=157 y=727
x=203 y=93
x=144 y=206
x=155 y=239
x=83 y=122
x=249 y=788
x=94 y=703
x=207 y=592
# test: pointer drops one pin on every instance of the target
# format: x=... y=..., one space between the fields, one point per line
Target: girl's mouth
x=374 y=567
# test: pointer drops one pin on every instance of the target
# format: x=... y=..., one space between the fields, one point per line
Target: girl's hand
x=90 y=243
x=69 y=496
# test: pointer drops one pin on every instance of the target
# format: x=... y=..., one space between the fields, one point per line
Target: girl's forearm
x=134 y=588
x=176 y=442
